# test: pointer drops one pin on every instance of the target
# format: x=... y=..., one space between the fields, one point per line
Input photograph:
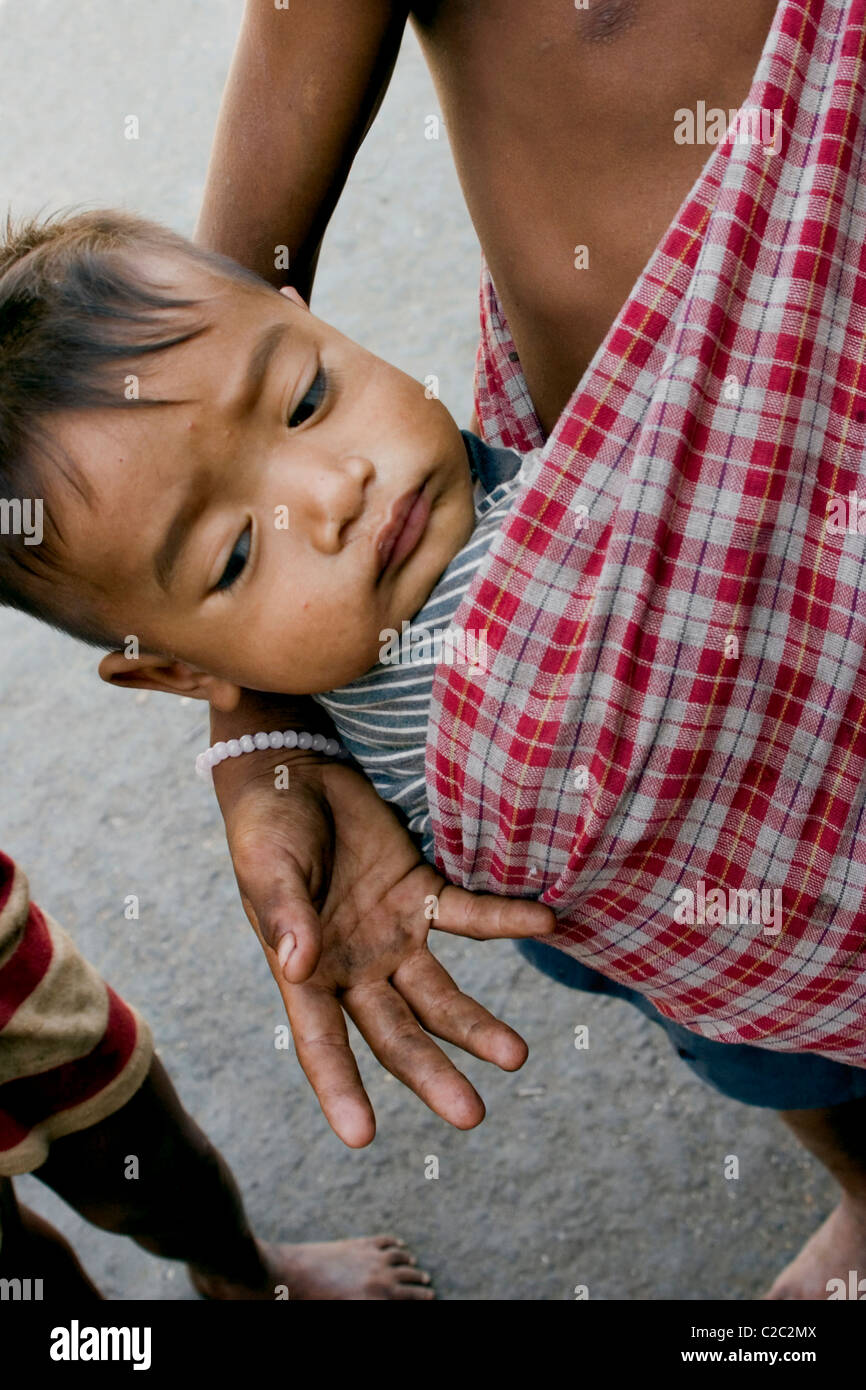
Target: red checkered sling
x=671 y=620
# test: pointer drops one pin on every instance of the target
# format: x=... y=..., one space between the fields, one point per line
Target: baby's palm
x=329 y=862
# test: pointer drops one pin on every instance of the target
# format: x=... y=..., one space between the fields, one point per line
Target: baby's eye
x=314 y=397
x=237 y=561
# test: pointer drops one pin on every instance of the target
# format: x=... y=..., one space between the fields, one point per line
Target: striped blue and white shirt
x=382 y=717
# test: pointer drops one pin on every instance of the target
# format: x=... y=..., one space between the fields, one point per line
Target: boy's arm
x=303 y=89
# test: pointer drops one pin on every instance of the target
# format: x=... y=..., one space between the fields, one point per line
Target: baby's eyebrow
x=194 y=503
x=257 y=367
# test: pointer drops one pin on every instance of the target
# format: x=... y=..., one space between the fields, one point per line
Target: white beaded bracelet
x=257 y=743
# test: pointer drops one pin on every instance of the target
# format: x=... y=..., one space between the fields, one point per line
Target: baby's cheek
x=345 y=647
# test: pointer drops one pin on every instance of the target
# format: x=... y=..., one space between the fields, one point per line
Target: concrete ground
x=602 y=1167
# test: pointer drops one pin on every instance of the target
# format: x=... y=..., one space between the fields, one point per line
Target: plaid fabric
x=503 y=405
x=668 y=609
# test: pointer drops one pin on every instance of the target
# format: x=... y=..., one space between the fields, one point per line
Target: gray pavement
x=602 y=1167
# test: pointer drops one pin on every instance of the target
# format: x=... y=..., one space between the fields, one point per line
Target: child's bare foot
x=371 y=1267
x=836 y=1248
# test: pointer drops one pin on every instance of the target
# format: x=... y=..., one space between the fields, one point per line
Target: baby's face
x=295 y=496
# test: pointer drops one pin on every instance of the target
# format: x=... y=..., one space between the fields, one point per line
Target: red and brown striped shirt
x=71 y=1050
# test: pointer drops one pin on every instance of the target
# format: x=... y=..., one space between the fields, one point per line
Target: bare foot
x=836 y=1248
x=371 y=1267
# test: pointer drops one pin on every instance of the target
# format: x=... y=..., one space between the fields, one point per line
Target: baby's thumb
x=289 y=924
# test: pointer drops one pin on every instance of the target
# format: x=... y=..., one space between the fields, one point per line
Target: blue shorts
x=753 y=1075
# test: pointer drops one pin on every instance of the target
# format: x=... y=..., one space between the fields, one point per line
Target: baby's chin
x=448 y=533
x=342 y=673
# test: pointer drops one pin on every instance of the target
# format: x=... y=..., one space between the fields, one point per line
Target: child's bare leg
x=32 y=1249
x=837 y=1136
x=185 y=1205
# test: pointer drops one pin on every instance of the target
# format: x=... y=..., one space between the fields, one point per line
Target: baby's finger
x=394 y=1036
x=484 y=916
x=448 y=1013
x=322 y=1045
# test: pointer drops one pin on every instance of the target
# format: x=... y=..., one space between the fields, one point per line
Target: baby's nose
x=359 y=469
x=341 y=499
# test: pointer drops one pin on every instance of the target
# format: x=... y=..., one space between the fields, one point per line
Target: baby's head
x=225 y=478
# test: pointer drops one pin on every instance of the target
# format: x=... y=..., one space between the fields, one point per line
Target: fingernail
x=285 y=948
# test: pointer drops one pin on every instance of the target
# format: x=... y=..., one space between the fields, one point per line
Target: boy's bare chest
x=562 y=122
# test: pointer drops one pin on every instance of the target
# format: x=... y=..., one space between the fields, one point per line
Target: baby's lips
x=392 y=530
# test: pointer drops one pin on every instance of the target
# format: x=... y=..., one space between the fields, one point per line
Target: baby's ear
x=149 y=671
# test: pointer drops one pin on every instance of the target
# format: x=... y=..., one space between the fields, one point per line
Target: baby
x=234 y=493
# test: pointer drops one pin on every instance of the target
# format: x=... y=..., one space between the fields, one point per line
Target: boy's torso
x=561 y=122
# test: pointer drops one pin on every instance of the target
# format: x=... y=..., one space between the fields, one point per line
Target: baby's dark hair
x=76 y=314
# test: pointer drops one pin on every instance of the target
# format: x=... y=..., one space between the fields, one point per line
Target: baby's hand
x=336 y=871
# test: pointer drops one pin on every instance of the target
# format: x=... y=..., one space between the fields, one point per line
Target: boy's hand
x=327 y=864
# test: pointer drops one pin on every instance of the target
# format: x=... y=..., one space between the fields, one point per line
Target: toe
x=400 y=1257
x=413 y=1291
